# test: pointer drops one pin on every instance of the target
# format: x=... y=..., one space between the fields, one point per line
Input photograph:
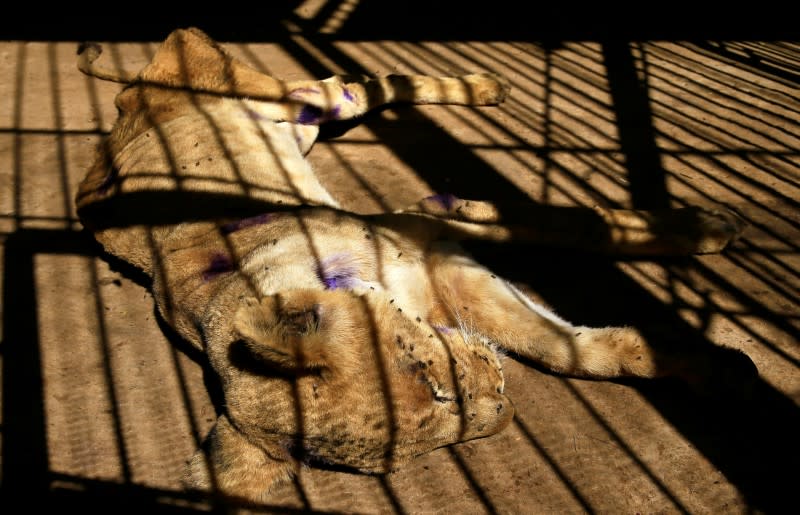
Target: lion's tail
x=88 y=53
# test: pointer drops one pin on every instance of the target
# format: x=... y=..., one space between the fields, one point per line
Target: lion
x=341 y=339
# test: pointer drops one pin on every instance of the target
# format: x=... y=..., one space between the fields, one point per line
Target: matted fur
x=339 y=338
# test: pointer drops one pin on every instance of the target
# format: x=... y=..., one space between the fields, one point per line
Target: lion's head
x=334 y=377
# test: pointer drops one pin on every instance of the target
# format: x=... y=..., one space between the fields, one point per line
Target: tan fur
x=359 y=341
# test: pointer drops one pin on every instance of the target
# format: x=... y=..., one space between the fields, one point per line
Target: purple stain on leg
x=338 y=271
x=255 y=115
x=246 y=222
x=220 y=264
x=299 y=92
x=347 y=95
x=335 y=282
x=446 y=200
x=334 y=114
x=443 y=329
x=309 y=115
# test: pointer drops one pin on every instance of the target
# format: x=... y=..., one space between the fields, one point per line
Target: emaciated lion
x=340 y=338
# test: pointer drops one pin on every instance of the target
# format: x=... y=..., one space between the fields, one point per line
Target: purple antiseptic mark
x=338 y=271
x=309 y=115
x=108 y=180
x=220 y=264
x=299 y=92
x=255 y=115
x=246 y=222
x=445 y=200
x=334 y=114
x=347 y=95
x=443 y=329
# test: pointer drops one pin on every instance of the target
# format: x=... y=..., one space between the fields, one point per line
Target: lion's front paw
x=488 y=88
x=719 y=228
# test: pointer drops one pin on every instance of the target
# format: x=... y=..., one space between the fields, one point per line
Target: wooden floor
x=101 y=407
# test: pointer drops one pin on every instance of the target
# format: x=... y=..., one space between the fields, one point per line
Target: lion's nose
x=488 y=416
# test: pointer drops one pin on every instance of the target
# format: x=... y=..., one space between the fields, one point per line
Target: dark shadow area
x=647 y=179
x=751 y=58
x=746 y=428
x=445 y=164
x=504 y=20
x=25 y=462
x=750 y=434
x=96 y=496
x=27 y=479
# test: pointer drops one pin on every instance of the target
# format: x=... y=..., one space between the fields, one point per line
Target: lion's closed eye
x=440 y=394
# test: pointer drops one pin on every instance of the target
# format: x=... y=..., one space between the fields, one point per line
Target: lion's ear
x=281 y=335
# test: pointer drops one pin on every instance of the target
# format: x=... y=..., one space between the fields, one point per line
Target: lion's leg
x=344 y=98
x=189 y=59
x=666 y=232
x=233 y=467
x=476 y=300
